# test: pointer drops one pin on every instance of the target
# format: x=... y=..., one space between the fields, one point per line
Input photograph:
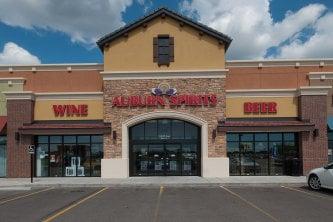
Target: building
x=166 y=102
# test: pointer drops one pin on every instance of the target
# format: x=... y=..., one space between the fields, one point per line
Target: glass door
x=2 y=160
x=173 y=159
x=156 y=159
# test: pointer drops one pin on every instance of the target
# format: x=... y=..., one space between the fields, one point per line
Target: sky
x=66 y=31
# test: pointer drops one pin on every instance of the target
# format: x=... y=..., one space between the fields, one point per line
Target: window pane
x=55 y=139
x=163 y=59
x=246 y=137
x=96 y=156
x=164 y=129
x=177 y=129
x=138 y=132
x=151 y=129
x=260 y=137
x=56 y=160
x=330 y=135
x=42 y=139
x=163 y=50
x=233 y=154
x=69 y=139
x=69 y=160
x=189 y=159
x=163 y=41
x=83 y=160
x=97 y=139
x=261 y=158
x=83 y=139
x=232 y=137
x=3 y=160
x=276 y=158
x=275 y=137
x=289 y=136
x=191 y=131
x=140 y=160
x=3 y=139
x=42 y=160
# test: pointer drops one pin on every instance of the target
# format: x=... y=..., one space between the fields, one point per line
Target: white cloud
x=319 y=45
x=146 y=4
x=14 y=54
x=83 y=20
x=251 y=26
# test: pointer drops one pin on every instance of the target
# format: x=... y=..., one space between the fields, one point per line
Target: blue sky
x=278 y=28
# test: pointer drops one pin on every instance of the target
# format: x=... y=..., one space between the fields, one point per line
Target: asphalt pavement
x=213 y=203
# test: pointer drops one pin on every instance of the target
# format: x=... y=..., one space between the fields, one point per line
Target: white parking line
x=251 y=204
x=307 y=193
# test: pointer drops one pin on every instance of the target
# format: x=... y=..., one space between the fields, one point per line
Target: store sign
x=260 y=107
x=164 y=95
x=152 y=100
x=70 y=110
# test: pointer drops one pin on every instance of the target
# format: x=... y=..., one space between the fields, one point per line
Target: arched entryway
x=165 y=147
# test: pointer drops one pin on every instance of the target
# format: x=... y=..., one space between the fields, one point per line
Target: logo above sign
x=164 y=89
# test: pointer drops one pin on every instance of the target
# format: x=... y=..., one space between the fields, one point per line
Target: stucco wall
x=192 y=51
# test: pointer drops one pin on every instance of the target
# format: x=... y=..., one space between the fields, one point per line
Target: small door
x=156 y=160
x=173 y=159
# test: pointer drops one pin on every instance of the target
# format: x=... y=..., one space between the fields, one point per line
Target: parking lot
x=218 y=203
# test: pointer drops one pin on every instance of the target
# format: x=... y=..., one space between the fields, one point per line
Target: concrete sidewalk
x=177 y=181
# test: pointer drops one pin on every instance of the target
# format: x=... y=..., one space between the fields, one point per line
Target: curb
x=154 y=185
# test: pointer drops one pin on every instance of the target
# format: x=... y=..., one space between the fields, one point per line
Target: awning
x=265 y=126
x=3 y=124
x=330 y=122
x=65 y=128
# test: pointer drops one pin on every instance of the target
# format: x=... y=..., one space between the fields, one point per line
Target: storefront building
x=165 y=102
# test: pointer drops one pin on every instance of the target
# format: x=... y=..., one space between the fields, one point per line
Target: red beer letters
x=70 y=110
x=260 y=107
x=178 y=100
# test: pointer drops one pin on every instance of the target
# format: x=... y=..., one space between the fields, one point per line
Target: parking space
x=169 y=204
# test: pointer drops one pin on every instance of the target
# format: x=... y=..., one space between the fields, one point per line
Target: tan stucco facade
x=192 y=51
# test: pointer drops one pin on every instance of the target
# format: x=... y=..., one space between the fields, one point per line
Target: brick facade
x=117 y=115
x=313 y=148
x=18 y=159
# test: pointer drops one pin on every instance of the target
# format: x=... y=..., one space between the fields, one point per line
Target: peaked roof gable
x=166 y=12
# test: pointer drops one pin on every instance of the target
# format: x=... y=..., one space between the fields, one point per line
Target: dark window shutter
x=172 y=49
x=155 y=49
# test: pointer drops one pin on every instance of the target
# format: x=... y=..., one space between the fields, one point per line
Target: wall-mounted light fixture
x=114 y=134
x=17 y=136
x=214 y=134
x=315 y=132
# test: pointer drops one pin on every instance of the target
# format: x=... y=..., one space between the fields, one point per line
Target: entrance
x=165 y=147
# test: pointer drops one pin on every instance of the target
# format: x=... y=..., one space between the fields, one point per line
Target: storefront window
x=263 y=153
x=330 y=146
x=69 y=155
x=3 y=155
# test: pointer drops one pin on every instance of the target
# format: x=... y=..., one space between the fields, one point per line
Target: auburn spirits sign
x=260 y=107
x=70 y=110
x=176 y=100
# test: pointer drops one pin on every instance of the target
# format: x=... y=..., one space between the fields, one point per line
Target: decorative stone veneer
x=118 y=115
x=313 y=148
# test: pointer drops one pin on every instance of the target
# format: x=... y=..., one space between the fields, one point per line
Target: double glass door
x=164 y=160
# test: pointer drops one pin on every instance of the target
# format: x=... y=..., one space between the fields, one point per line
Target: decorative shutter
x=155 y=49
x=171 y=49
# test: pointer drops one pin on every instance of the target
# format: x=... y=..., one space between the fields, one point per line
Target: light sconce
x=214 y=134
x=114 y=135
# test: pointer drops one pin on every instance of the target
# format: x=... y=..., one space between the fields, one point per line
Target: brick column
x=20 y=109
x=313 y=108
